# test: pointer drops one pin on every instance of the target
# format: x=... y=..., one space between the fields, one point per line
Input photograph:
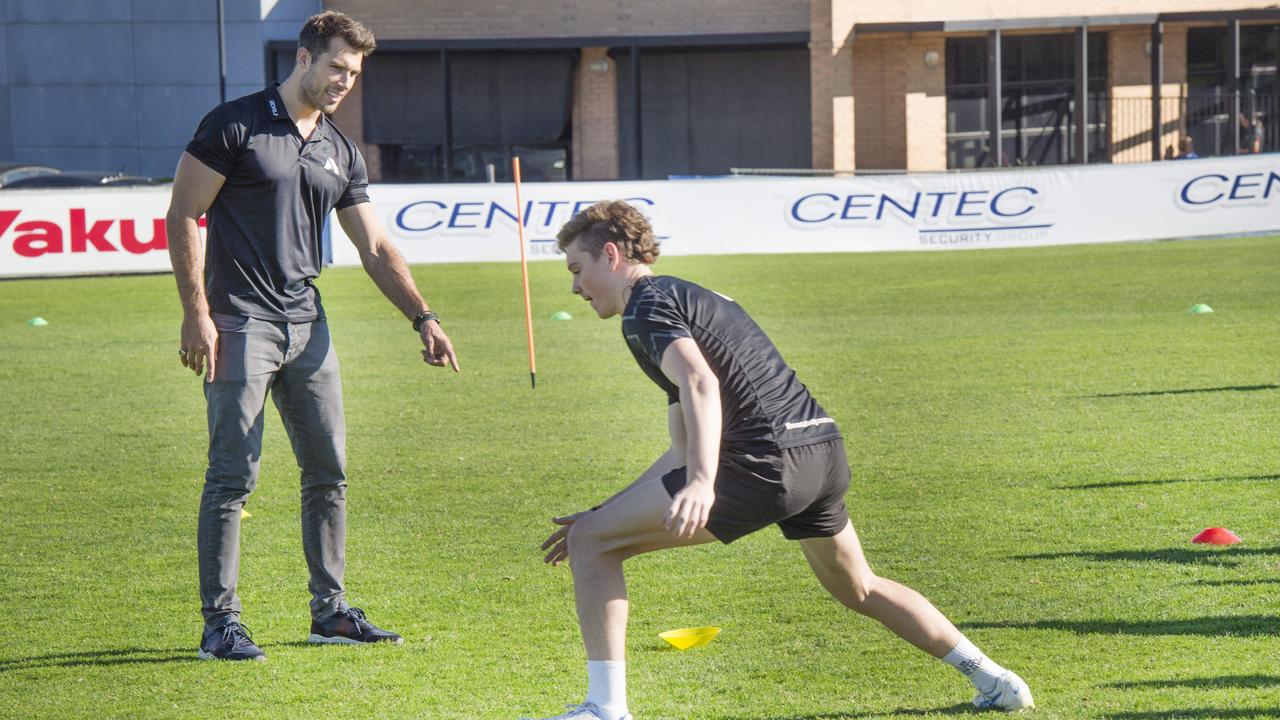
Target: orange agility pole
x=524 y=272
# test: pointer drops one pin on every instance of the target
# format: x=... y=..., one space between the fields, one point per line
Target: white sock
x=980 y=669
x=607 y=687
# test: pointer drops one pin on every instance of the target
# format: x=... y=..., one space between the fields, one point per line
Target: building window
x=1037 y=91
x=1209 y=102
x=499 y=104
x=706 y=110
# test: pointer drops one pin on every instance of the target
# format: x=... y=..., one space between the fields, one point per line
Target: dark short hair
x=320 y=29
x=611 y=221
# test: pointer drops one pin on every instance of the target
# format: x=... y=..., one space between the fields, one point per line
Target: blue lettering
x=795 y=208
x=582 y=205
x=404 y=210
x=494 y=209
x=886 y=200
x=551 y=209
x=1273 y=180
x=635 y=200
x=964 y=200
x=1186 y=190
x=1239 y=184
x=995 y=202
x=938 y=205
x=849 y=205
x=457 y=213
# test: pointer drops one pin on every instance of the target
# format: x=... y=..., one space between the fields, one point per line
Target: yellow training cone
x=686 y=638
x=244 y=513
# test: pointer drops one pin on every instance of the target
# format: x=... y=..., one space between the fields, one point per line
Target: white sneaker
x=585 y=711
x=1010 y=693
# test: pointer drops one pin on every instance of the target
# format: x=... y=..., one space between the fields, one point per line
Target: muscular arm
x=700 y=413
x=195 y=186
x=387 y=268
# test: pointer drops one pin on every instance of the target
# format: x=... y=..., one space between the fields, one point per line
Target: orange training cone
x=1217 y=536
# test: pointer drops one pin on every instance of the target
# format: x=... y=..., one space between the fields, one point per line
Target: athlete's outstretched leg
x=842 y=569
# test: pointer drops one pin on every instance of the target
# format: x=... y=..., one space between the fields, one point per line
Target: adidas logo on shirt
x=332 y=167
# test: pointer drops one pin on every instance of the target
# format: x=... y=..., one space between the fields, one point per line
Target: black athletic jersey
x=265 y=226
x=764 y=405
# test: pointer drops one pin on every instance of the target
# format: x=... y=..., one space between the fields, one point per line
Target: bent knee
x=585 y=538
x=859 y=592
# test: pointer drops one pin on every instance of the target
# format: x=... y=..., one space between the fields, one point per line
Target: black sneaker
x=349 y=627
x=229 y=641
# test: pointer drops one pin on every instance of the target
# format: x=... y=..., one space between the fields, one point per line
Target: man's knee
x=586 y=537
x=862 y=588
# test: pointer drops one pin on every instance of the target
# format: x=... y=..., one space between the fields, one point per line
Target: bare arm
x=390 y=273
x=195 y=186
x=684 y=364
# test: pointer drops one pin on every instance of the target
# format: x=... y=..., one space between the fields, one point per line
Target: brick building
x=822 y=84
x=587 y=90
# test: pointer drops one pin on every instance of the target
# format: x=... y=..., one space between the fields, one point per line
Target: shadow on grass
x=1182 y=556
x=1172 y=481
x=1211 y=626
x=1187 y=391
x=1232 y=583
x=1224 y=681
x=101 y=658
x=960 y=709
x=1185 y=713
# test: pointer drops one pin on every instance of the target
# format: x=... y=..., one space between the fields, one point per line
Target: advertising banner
x=48 y=232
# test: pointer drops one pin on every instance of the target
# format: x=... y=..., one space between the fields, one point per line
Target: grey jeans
x=298 y=365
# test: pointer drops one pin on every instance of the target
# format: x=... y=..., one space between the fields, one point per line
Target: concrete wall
x=121 y=84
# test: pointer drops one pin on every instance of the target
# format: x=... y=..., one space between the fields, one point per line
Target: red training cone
x=1217 y=536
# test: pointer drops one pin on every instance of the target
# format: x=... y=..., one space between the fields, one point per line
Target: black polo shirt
x=265 y=226
x=764 y=405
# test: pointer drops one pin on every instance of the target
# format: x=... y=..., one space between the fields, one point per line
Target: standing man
x=267 y=168
x=750 y=447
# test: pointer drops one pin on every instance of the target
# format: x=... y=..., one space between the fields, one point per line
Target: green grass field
x=1035 y=436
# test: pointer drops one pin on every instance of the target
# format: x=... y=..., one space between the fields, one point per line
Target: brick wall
x=595 y=117
x=1129 y=80
x=925 y=111
x=572 y=18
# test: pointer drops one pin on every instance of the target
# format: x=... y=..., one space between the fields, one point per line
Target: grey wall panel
x=172 y=113
x=5 y=45
x=68 y=54
x=174 y=10
x=6 y=153
x=235 y=91
x=286 y=30
x=293 y=11
x=245 y=53
x=243 y=10
x=6 y=123
x=116 y=159
x=61 y=11
x=176 y=53
x=56 y=116
x=159 y=162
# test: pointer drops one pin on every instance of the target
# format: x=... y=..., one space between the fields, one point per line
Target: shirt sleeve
x=358 y=188
x=655 y=323
x=218 y=140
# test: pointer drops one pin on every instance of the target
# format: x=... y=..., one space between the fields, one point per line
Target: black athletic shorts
x=799 y=489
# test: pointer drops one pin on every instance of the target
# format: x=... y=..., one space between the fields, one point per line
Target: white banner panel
x=107 y=231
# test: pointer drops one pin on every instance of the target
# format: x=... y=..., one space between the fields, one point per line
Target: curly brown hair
x=320 y=29
x=612 y=221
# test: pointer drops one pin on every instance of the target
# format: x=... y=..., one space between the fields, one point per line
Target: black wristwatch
x=422 y=317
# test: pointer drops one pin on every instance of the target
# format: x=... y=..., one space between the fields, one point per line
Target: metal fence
x=1040 y=130
x=1209 y=119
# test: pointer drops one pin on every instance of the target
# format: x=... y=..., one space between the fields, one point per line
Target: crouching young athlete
x=750 y=447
